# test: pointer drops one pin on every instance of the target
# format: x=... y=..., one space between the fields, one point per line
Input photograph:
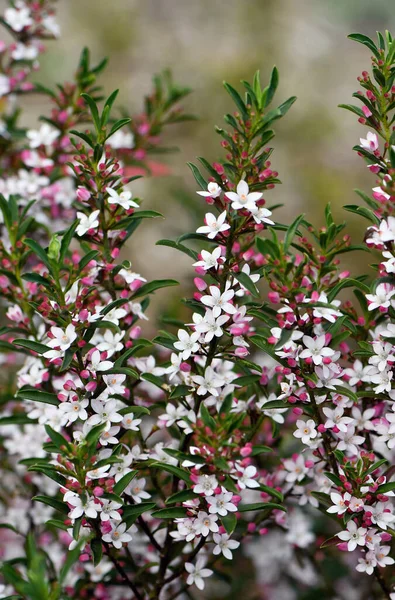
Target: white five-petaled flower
x=214 y=226
x=209 y=325
x=371 y=142
x=121 y=199
x=353 y=535
x=213 y=190
x=246 y=479
x=316 y=349
x=381 y=298
x=224 y=544
x=81 y=505
x=45 y=136
x=261 y=214
x=187 y=344
x=221 y=503
x=306 y=431
x=243 y=198
x=335 y=418
x=209 y=259
x=117 y=536
x=219 y=302
x=204 y=523
x=63 y=338
x=87 y=222
x=197 y=573
x=209 y=383
x=18 y=19
x=340 y=503
x=206 y=485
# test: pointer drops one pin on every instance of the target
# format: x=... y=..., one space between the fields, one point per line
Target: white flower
x=45 y=136
x=63 y=338
x=130 y=423
x=349 y=441
x=209 y=383
x=117 y=536
x=381 y=297
x=274 y=413
x=261 y=215
x=130 y=277
x=381 y=514
x=83 y=505
x=221 y=503
x=224 y=544
x=209 y=259
x=214 y=226
x=174 y=368
x=105 y=413
x=109 y=510
x=111 y=342
x=204 y=523
x=382 y=557
x=206 y=485
x=87 y=222
x=367 y=563
x=197 y=573
x=71 y=411
x=246 y=478
x=114 y=384
x=24 y=52
x=97 y=364
x=316 y=349
x=219 y=302
x=296 y=469
x=136 y=490
x=121 y=139
x=18 y=19
x=5 y=85
x=187 y=344
x=123 y=199
x=305 y=431
x=244 y=199
x=339 y=503
x=209 y=325
x=335 y=418
x=213 y=191
x=371 y=142
x=353 y=535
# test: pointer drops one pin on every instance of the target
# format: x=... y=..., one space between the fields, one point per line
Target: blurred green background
x=205 y=42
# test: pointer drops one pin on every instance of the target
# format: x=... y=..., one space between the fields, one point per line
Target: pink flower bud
x=135 y=332
x=83 y=194
x=200 y=284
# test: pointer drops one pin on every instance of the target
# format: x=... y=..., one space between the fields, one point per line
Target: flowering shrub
x=262 y=428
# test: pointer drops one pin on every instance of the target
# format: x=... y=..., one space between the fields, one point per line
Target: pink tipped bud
x=297 y=411
x=135 y=332
x=83 y=194
x=91 y=386
x=274 y=297
x=200 y=284
x=185 y=368
x=321 y=428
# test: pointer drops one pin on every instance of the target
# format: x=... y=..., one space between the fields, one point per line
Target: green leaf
x=182 y=496
x=292 y=230
x=66 y=241
x=30 y=345
x=207 y=419
x=120 y=486
x=386 y=487
x=247 y=282
x=56 y=504
x=366 y=41
x=200 y=180
x=170 y=513
x=345 y=283
x=56 y=437
x=176 y=471
x=93 y=109
x=229 y=522
x=17 y=419
x=152 y=286
x=37 y=396
x=97 y=550
x=132 y=512
x=39 y=251
x=237 y=100
x=260 y=506
x=273 y=84
x=180 y=247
